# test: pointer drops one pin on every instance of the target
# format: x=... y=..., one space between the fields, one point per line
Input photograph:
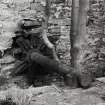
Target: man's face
x=29 y=27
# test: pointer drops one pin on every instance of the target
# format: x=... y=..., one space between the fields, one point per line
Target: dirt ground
x=53 y=95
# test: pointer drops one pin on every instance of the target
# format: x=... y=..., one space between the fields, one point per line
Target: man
x=30 y=49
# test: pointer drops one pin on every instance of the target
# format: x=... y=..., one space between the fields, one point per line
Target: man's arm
x=49 y=44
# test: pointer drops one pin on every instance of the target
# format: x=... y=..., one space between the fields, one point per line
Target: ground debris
x=49 y=95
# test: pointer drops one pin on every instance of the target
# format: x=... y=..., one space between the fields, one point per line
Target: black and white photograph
x=52 y=52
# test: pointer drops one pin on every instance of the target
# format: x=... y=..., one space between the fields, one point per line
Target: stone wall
x=11 y=11
x=95 y=62
x=14 y=10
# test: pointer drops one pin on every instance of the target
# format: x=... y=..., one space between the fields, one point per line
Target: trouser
x=39 y=64
x=48 y=64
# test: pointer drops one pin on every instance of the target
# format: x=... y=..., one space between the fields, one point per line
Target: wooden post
x=78 y=40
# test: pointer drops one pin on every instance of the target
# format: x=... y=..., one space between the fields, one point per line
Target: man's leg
x=49 y=64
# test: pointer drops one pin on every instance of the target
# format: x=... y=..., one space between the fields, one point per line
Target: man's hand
x=29 y=53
